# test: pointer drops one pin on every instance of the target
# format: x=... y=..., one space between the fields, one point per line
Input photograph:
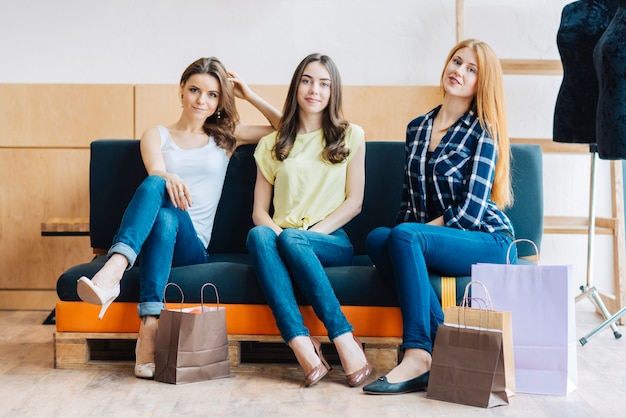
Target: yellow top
x=307 y=188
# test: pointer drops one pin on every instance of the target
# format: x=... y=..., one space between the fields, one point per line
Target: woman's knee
x=291 y=237
x=409 y=232
x=166 y=222
x=291 y=242
x=377 y=238
x=259 y=235
x=153 y=182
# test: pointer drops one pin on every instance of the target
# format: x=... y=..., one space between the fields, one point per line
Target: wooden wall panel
x=64 y=115
x=155 y=104
x=383 y=111
x=36 y=184
x=272 y=94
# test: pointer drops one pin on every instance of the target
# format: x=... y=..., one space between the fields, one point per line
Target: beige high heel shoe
x=358 y=377
x=143 y=370
x=91 y=293
x=321 y=369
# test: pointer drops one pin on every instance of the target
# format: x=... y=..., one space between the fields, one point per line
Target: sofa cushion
x=237 y=284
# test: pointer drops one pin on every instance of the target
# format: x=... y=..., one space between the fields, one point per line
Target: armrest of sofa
x=526 y=214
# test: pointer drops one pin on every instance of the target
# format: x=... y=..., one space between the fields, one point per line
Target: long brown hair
x=489 y=106
x=333 y=123
x=221 y=124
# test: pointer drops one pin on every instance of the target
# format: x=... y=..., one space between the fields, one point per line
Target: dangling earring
x=219 y=114
x=181 y=101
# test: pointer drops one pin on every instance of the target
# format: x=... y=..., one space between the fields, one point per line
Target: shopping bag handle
x=488 y=305
x=217 y=296
x=515 y=241
x=466 y=298
x=484 y=303
x=182 y=295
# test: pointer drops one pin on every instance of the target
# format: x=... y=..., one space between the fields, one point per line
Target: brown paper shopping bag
x=468 y=367
x=499 y=320
x=192 y=343
x=468 y=363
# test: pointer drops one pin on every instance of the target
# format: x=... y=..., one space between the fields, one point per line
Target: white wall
x=389 y=42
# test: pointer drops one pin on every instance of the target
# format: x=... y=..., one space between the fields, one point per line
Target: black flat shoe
x=382 y=387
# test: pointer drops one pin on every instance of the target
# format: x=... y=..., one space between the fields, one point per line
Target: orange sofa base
x=241 y=319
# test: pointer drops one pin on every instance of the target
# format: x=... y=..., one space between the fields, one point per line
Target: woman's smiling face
x=201 y=95
x=461 y=74
x=314 y=88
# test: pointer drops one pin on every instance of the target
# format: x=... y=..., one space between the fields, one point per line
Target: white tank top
x=203 y=170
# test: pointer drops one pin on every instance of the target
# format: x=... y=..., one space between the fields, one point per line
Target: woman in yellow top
x=313 y=172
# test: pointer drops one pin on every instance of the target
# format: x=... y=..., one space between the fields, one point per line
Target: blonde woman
x=455 y=186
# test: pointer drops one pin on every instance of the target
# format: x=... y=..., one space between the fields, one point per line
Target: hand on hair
x=242 y=91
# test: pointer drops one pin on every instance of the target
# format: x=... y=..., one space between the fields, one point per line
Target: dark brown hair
x=333 y=123
x=221 y=125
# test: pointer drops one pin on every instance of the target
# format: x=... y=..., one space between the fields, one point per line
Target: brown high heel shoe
x=358 y=377
x=321 y=369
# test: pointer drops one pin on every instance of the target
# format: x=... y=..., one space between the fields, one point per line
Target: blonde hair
x=489 y=106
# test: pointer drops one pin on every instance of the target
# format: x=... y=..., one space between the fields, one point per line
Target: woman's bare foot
x=146 y=347
x=111 y=273
x=350 y=353
x=146 y=342
x=305 y=353
x=414 y=363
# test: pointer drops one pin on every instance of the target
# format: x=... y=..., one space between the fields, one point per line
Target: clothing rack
x=589 y=290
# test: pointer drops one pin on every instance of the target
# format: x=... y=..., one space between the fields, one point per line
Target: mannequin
x=609 y=59
x=582 y=23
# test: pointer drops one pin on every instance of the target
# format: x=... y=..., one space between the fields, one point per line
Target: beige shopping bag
x=499 y=320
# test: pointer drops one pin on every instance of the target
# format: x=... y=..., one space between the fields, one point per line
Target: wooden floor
x=30 y=387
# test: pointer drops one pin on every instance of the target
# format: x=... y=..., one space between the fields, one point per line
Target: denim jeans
x=405 y=253
x=300 y=255
x=165 y=236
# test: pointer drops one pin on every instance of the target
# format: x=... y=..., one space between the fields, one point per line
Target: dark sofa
x=116 y=170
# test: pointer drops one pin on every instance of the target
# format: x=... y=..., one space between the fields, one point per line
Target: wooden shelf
x=577 y=225
x=549 y=146
x=531 y=67
x=65 y=227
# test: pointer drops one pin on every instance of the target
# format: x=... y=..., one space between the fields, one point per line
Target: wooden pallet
x=75 y=350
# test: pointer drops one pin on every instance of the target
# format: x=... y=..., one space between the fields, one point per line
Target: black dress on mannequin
x=609 y=58
x=582 y=24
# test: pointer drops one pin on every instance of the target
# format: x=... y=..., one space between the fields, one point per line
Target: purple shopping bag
x=541 y=302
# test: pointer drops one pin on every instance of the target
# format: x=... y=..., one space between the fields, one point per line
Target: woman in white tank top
x=170 y=217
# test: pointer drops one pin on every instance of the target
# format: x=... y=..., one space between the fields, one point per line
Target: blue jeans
x=301 y=255
x=405 y=253
x=165 y=236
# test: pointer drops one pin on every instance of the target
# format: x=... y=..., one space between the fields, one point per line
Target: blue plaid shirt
x=463 y=172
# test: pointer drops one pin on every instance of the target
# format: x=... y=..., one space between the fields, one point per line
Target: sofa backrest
x=384 y=162
x=115 y=172
x=116 y=169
